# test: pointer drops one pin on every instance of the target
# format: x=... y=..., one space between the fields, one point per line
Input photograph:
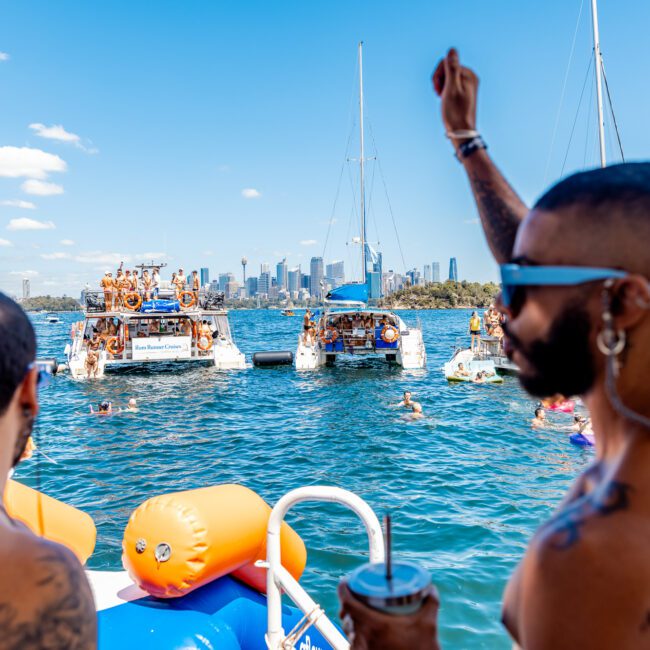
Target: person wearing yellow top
x=475 y=331
x=106 y=283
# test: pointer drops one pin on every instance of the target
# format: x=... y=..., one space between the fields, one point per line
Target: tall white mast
x=361 y=161
x=599 y=87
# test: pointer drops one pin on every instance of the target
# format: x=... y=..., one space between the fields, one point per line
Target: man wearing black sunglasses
x=575 y=290
x=45 y=599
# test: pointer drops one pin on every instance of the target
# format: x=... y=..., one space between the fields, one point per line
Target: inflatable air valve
x=178 y=542
x=51 y=519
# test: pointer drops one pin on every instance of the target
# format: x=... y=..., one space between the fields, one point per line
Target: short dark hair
x=538 y=410
x=17 y=348
x=627 y=183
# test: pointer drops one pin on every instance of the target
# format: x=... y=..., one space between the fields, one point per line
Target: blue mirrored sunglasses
x=514 y=276
x=44 y=373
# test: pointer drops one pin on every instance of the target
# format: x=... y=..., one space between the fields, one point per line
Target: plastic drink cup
x=400 y=594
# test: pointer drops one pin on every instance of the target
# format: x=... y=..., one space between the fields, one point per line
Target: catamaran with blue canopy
x=347 y=326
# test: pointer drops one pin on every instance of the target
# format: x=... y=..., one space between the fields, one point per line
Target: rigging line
x=591 y=109
x=371 y=209
x=611 y=109
x=351 y=119
x=575 y=120
x=559 y=108
x=390 y=207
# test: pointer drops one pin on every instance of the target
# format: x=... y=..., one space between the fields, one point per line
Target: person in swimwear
x=475 y=332
x=417 y=413
x=186 y=327
x=155 y=282
x=146 y=284
x=307 y=327
x=461 y=371
x=540 y=418
x=181 y=281
x=196 y=285
x=122 y=284
x=91 y=363
x=132 y=406
x=135 y=282
x=406 y=400
x=106 y=283
x=103 y=408
x=174 y=285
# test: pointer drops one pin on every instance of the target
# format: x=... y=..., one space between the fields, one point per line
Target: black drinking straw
x=389 y=561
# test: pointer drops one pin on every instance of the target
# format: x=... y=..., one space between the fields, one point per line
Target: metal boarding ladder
x=278 y=579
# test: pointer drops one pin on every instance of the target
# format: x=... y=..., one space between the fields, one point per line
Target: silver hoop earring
x=642 y=303
x=611 y=343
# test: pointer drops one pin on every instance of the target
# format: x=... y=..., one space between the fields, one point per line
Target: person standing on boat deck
x=146 y=284
x=475 y=332
x=106 y=283
x=155 y=282
x=181 y=281
x=306 y=324
x=585 y=337
x=45 y=599
x=174 y=285
x=135 y=282
x=196 y=285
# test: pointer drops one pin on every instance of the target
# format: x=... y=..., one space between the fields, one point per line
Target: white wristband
x=462 y=133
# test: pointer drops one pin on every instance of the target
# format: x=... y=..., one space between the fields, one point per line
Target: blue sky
x=179 y=108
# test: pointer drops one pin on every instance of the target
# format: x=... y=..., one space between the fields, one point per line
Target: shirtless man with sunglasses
x=45 y=599
x=577 y=300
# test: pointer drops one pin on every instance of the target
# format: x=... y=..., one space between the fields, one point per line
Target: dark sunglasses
x=515 y=278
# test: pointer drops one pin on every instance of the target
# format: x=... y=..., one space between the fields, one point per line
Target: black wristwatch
x=466 y=149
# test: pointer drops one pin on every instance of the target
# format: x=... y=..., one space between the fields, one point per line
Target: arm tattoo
x=565 y=526
x=62 y=614
x=500 y=220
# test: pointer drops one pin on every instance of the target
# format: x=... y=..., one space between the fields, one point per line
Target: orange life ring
x=111 y=347
x=207 y=345
x=333 y=335
x=384 y=332
x=192 y=300
x=132 y=295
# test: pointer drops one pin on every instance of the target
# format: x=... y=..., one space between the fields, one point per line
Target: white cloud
x=5 y=242
x=308 y=242
x=23 y=223
x=55 y=256
x=99 y=257
x=250 y=193
x=24 y=273
x=57 y=132
x=41 y=188
x=17 y=203
x=4 y=56
x=66 y=242
x=16 y=162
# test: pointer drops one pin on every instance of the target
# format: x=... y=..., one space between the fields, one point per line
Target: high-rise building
x=26 y=289
x=305 y=281
x=335 y=273
x=205 y=276
x=251 y=286
x=373 y=278
x=453 y=270
x=282 y=274
x=293 y=279
x=427 y=274
x=224 y=279
x=264 y=282
x=414 y=277
x=435 y=271
x=316 y=275
x=265 y=268
x=231 y=289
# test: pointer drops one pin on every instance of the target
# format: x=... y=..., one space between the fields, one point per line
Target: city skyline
x=190 y=156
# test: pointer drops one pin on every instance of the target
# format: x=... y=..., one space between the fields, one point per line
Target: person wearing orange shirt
x=106 y=283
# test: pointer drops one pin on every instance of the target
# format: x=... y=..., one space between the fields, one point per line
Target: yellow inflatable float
x=52 y=519
x=178 y=542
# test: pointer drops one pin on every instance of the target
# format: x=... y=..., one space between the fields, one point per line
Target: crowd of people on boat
x=357 y=330
x=128 y=285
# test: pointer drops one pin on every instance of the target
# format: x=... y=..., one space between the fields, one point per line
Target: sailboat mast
x=599 y=85
x=361 y=170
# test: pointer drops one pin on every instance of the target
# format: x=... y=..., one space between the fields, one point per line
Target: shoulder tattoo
x=61 y=615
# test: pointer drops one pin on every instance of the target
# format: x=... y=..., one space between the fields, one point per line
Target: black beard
x=21 y=440
x=563 y=363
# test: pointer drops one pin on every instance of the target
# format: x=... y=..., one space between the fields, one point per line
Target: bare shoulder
x=45 y=599
x=587 y=558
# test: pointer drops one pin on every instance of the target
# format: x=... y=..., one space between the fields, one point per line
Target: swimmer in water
x=540 y=418
x=417 y=411
x=461 y=372
x=104 y=408
x=132 y=406
x=406 y=402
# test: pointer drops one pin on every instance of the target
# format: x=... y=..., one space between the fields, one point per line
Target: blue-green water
x=466 y=487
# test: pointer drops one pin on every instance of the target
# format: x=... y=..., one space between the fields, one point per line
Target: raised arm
x=500 y=208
